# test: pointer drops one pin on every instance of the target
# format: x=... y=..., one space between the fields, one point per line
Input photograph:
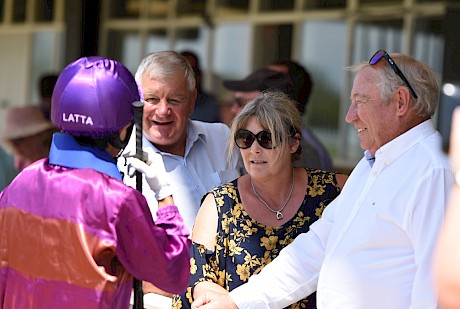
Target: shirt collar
x=65 y=151
x=369 y=157
x=195 y=132
x=399 y=145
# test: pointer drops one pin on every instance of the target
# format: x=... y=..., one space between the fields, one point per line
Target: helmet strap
x=84 y=140
x=118 y=143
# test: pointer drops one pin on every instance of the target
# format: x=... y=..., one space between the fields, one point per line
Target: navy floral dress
x=243 y=246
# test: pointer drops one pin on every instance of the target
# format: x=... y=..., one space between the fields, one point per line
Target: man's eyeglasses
x=244 y=139
x=383 y=54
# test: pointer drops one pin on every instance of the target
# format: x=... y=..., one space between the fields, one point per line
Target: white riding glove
x=154 y=173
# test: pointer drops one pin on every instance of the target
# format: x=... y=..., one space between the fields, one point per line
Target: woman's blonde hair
x=275 y=112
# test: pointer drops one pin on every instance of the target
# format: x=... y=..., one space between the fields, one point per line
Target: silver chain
x=278 y=213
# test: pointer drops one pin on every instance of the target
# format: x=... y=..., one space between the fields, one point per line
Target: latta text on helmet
x=77 y=118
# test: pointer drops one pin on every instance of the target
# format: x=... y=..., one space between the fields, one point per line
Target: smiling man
x=373 y=246
x=193 y=152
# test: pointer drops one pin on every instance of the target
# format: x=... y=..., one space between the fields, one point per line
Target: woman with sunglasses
x=242 y=225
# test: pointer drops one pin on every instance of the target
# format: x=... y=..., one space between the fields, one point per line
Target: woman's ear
x=295 y=143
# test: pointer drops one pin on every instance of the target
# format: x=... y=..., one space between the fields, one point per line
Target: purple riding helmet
x=93 y=97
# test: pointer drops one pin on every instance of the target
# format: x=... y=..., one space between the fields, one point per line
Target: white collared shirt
x=202 y=168
x=372 y=248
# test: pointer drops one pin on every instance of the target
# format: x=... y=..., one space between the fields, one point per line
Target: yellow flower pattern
x=269 y=242
x=243 y=246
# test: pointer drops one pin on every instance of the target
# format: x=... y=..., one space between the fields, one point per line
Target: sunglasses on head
x=244 y=139
x=383 y=54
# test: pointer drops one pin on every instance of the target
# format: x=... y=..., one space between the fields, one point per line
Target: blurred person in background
x=263 y=79
x=314 y=151
x=7 y=169
x=207 y=107
x=447 y=254
x=27 y=134
x=46 y=85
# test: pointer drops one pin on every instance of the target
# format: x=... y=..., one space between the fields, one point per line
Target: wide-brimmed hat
x=24 y=121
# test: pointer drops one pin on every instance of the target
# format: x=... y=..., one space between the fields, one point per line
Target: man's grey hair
x=164 y=64
x=421 y=77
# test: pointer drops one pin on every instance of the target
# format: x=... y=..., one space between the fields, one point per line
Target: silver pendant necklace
x=278 y=213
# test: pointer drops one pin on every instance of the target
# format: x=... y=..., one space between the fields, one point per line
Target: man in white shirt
x=193 y=152
x=373 y=246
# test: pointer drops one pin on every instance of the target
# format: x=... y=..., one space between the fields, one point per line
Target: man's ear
x=403 y=101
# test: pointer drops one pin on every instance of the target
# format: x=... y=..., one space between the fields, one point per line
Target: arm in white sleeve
x=292 y=275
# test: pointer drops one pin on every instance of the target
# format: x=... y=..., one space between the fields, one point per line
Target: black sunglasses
x=383 y=54
x=244 y=139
